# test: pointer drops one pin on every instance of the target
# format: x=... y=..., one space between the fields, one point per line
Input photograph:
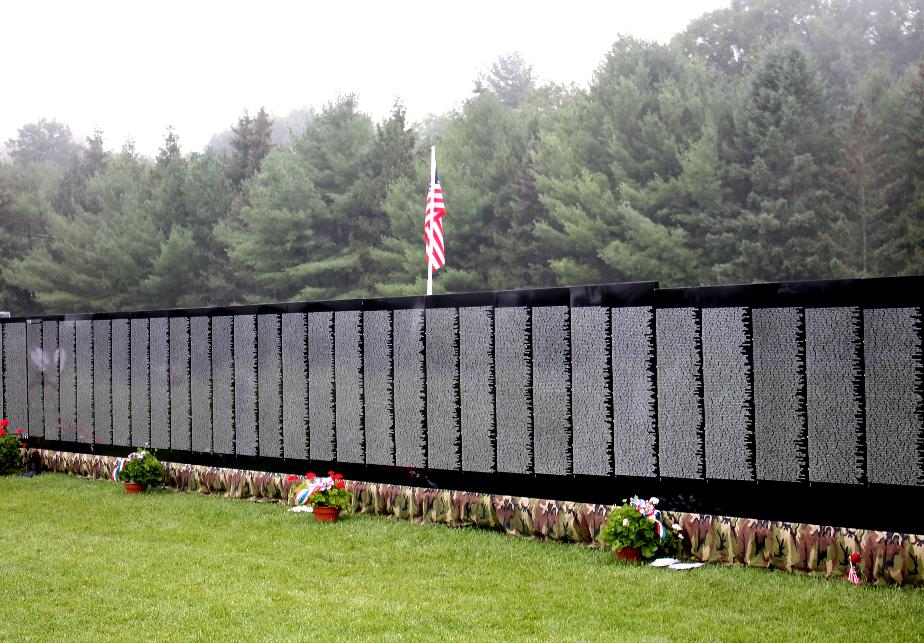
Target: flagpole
x=432 y=181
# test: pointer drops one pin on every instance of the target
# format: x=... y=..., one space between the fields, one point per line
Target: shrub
x=321 y=492
x=142 y=467
x=635 y=524
x=11 y=444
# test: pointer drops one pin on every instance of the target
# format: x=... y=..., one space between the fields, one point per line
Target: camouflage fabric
x=887 y=558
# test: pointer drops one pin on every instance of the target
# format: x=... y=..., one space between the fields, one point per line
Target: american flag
x=433 y=225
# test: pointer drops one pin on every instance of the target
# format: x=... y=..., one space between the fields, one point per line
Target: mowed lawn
x=84 y=561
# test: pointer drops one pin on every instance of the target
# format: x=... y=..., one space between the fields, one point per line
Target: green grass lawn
x=84 y=561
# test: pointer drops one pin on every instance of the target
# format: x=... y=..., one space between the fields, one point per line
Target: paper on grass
x=682 y=566
x=302 y=508
x=664 y=562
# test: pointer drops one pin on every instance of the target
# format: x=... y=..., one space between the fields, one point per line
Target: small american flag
x=433 y=225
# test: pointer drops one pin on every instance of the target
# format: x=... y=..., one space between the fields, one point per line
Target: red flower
x=2 y=433
x=4 y=423
x=330 y=473
x=19 y=431
x=24 y=445
x=855 y=558
x=310 y=475
x=340 y=484
x=293 y=478
x=337 y=476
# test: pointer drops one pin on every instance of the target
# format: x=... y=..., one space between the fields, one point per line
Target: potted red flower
x=327 y=496
x=11 y=445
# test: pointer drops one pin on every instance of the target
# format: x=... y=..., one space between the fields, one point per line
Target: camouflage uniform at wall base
x=887 y=558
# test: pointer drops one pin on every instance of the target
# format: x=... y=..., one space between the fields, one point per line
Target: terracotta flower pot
x=135 y=487
x=629 y=554
x=326 y=514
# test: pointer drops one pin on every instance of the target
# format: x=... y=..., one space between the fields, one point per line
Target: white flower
x=676 y=527
x=625 y=522
x=654 y=501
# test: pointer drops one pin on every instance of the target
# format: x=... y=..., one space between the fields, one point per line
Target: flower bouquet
x=138 y=471
x=11 y=445
x=327 y=496
x=634 y=531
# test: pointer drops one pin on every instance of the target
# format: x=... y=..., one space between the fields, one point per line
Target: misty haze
x=756 y=141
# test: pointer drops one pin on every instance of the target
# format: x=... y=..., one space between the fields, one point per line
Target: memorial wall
x=803 y=383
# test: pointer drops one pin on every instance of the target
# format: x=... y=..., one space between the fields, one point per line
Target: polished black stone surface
x=766 y=400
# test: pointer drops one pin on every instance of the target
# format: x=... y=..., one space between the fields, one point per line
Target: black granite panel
x=377 y=387
x=779 y=394
x=680 y=406
x=222 y=384
x=635 y=436
x=476 y=385
x=348 y=352
x=35 y=371
x=180 y=411
x=294 y=386
x=245 y=385
x=513 y=376
x=442 y=363
x=832 y=367
x=102 y=379
x=551 y=390
x=84 y=355
x=409 y=393
x=894 y=405
x=67 y=340
x=200 y=382
x=727 y=393
x=50 y=361
x=2 y=385
x=321 y=385
x=591 y=392
x=160 y=383
x=121 y=383
x=269 y=382
x=14 y=357
x=141 y=388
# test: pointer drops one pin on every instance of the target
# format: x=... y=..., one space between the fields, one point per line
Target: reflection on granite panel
x=68 y=389
x=476 y=384
x=222 y=386
x=121 y=419
x=894 y=405
x=513 y=377
x=180 y=414
x=51 y=355
x=102 y=382
x=85 y=427
x=245 y=384
x=442 y=356
x=727 y=394
x=634 y=396
x=141 y=391
x=160 y=383
x=200 y=381
x=2 y=384
x=591 y=392
x=348 y=353
x=377 y=387
x=680 y=410
x=269 y=380
x=410 y=446
x=779 y=400
x=294 y=387
x=14 y=358
x=832 y=369
x=35 y=367
x=551 y=390
x=321 y=385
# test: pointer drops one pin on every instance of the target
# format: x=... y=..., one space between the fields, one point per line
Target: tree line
x=773 y=140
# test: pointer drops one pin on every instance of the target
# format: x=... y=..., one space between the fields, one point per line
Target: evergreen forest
x=772 y=140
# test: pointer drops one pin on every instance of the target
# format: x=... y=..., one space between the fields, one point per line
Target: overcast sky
x=132 y=68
